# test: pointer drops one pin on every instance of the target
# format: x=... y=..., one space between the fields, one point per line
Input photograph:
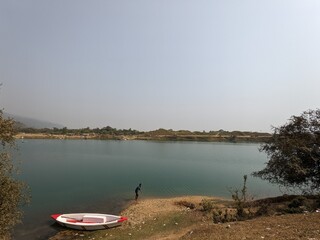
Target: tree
x=294 y=153
x=64 y=130
x=13 y=192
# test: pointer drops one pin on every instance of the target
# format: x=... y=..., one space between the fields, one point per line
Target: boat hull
x=88 y=221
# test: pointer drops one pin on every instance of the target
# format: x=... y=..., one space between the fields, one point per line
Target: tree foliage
x=12 y=192
x=294 y=153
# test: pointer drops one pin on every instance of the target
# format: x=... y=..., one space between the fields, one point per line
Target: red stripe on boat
x=55 y=216
x=72 y=220
x=122 y=219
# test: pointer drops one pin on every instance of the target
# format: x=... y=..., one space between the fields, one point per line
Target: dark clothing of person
x=137 y=191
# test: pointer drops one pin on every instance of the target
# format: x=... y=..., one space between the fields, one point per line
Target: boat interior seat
x=94 y=219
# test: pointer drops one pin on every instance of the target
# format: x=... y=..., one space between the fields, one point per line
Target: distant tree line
x=81 y=131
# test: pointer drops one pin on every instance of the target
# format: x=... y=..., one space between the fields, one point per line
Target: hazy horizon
x=183 y=64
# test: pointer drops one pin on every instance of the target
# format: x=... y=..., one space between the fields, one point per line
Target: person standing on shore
x=137 y=191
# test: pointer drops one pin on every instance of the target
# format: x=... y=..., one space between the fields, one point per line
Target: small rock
x=176 y=223
x=228 y=226
x=129 y=234
x=164 y=224
x=268 y=228
x=262 y=237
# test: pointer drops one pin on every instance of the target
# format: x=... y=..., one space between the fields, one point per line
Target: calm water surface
x=100 y=176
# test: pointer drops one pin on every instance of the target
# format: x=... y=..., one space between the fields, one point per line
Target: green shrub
x=263 y=209
x=297 y=202
x=207 y=205
x=240 y=198
x=186 y=204
x=223 y=216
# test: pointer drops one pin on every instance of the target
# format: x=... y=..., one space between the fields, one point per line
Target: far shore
x=199 y=138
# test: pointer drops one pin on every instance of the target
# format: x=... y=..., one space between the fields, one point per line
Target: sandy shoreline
x=150 y=208
x=139 y=213
x=163 y=218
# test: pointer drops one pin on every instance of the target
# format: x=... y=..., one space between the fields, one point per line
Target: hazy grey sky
x=148 y=64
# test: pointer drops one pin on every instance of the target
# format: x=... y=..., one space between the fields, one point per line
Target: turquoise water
x=89 y=175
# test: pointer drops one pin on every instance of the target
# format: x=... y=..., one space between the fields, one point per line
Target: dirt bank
x=165 y=219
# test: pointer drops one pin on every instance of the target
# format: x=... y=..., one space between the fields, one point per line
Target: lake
x=100 y=176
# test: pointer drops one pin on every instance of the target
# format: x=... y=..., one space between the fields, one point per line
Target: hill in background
x=24 y=122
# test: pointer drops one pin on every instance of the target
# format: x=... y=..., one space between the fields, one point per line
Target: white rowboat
x=88 y=221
